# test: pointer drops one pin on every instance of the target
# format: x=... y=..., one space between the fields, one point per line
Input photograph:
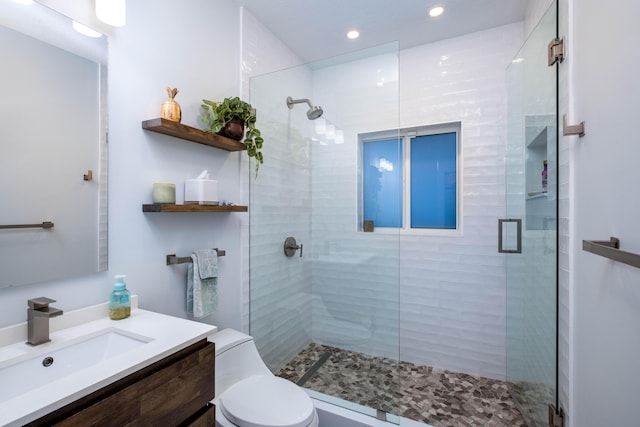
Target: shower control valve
x=291 y=246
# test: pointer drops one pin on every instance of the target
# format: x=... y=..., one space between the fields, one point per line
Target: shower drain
x=314 y=369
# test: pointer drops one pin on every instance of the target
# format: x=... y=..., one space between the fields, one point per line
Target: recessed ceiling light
x=112 y=12
x=353 y=34
x=436 y=11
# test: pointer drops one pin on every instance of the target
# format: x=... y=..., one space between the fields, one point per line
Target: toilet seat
x=265 y=400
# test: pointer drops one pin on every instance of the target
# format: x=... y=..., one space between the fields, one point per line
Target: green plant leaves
x=218 y=114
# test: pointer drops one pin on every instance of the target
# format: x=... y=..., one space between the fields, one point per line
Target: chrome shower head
x=314 y=111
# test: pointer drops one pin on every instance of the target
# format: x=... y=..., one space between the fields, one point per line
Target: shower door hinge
x=555 y=51
x=556 y=418
x=381 y=415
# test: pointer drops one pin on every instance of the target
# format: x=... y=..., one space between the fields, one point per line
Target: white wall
x=163 y=44
x=606 y=294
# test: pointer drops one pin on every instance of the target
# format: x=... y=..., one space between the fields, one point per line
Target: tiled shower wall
x=281 y=207
x=262 y=53
x=355 y=275
x=279 y=300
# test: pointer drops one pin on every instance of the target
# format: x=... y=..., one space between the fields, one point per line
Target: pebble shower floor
x=438 y=397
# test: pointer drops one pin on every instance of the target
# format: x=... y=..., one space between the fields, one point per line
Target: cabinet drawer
x=206 y=418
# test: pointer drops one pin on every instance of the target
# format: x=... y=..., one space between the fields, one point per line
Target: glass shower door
x=529 y=234
x=326 y=318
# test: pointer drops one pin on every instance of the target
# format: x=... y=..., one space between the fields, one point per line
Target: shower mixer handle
x=290 y=247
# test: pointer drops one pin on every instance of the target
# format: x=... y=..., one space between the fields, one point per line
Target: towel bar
x=611 y=249
x=45 y=224
x=173 y=259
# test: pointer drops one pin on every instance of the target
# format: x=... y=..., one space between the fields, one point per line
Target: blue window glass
x=433 y=181
x=382 y=180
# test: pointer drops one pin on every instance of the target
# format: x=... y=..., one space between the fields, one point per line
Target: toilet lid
x=265 y=400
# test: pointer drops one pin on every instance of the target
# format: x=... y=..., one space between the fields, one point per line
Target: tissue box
x=200 y=192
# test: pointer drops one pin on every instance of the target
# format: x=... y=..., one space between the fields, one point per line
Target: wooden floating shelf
x=165 y=207
x=167 y=127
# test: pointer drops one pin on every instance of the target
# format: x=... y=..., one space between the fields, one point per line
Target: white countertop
x=168 y=334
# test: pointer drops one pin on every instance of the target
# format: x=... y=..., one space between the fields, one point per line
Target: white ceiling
x=316 y=29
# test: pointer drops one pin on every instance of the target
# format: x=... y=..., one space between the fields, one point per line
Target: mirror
x=53 y=147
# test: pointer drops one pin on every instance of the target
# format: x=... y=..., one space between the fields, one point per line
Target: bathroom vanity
x=148 y=369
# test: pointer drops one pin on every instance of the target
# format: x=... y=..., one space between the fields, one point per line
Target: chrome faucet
x=38 y=315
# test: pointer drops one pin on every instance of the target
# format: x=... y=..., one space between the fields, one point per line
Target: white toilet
x=248 y=394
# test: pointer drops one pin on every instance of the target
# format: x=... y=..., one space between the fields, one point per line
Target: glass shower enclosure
x=326 y=312
x=530 y=232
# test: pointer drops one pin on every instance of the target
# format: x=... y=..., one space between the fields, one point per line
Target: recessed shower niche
x=540 y=185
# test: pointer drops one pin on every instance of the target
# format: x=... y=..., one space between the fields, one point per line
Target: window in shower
x=410 y=179
x=382 y=181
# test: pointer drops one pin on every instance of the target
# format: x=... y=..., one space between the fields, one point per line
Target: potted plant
x=230 y=118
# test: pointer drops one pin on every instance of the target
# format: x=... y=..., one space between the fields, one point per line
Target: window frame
x=405 y=135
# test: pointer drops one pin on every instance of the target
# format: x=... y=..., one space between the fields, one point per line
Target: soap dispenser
x=120 y=301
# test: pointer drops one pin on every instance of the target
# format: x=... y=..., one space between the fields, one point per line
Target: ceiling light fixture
x=353 y=34
x=84 y=30
x=436 y=11
x=112 y=12
x=23 y=1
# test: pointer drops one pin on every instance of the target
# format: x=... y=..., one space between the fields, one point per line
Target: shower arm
x=291 y=102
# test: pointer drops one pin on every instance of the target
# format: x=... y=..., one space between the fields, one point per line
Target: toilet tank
x=237 y=358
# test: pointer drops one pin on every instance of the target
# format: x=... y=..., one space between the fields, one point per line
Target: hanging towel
x=202 y=283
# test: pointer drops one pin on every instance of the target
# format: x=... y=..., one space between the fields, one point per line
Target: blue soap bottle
x=120 y=300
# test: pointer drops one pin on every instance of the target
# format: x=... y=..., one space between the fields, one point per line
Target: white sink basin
x=42 y=365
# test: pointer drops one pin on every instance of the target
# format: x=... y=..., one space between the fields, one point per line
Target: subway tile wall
x=280 y=295
x=262 y=53
x=355 y=274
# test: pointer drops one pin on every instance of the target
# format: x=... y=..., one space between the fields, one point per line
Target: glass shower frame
x=342 y=288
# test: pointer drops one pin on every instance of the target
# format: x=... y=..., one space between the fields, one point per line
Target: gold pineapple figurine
x=170 y=109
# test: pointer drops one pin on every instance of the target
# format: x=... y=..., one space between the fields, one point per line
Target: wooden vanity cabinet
x=174 y=391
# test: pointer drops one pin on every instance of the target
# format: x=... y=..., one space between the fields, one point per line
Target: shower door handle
x=290 y=247
x=512 y=248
